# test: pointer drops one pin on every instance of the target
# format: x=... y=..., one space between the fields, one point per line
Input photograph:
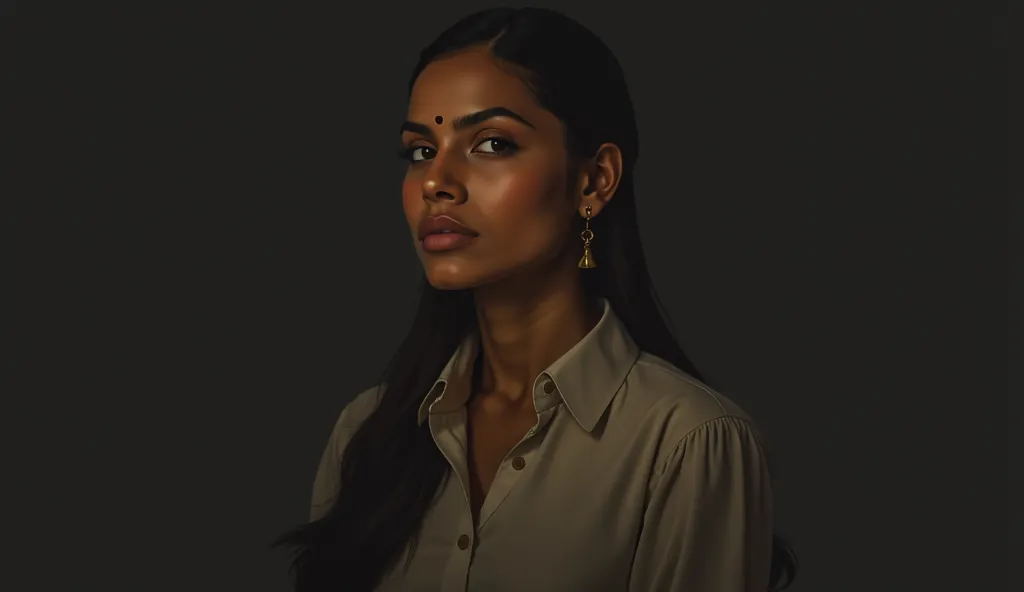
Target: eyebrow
x=464 y=121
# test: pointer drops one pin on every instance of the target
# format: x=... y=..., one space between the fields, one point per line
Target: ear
x=600 y=179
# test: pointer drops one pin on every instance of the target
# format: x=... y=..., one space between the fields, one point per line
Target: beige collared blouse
x=636 y=477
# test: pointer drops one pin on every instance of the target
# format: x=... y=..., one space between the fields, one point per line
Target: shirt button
x=549 y=387
x=464 y=542
x=518 y=463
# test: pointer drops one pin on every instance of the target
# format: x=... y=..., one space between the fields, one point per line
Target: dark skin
x=508 y=178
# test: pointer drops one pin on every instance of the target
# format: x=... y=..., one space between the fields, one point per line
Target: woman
x=539 y=428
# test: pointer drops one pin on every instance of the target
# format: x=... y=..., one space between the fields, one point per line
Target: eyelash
x=511 y=148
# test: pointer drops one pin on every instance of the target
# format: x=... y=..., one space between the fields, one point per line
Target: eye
x=416 y=153
x=496 y=145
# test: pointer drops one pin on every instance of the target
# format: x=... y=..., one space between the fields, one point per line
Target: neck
x=526 y=323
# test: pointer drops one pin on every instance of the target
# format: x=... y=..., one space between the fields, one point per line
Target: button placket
x=457 y=569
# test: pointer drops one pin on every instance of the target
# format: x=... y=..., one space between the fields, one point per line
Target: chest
x=491 y=436
x=563 y=511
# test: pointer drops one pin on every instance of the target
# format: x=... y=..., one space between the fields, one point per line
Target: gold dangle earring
x=587 y=262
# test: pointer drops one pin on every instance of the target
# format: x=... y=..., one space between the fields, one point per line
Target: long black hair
x=391 y=470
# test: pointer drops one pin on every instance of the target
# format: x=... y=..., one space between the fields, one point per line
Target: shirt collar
x=586 y=377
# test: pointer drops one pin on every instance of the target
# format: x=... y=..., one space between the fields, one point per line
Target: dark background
x=221 y=264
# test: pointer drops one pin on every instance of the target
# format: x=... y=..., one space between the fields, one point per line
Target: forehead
x=466 y=82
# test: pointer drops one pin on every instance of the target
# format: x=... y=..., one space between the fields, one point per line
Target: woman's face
x=486 y=194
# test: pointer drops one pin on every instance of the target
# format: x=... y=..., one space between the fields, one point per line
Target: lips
x=443 y=224
x=442 y=233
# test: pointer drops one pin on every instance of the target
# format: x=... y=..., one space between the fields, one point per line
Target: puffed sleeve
x=708 y=524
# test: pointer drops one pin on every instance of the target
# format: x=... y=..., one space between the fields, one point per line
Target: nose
x=442 y=182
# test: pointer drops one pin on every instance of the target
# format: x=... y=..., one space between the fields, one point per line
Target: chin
x=449 y=275
x=448 y=284
x=450 y=281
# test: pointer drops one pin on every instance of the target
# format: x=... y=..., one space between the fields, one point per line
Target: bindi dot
x=438 y=120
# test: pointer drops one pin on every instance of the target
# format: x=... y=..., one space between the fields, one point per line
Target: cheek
x=412 y=199
x=529 y=203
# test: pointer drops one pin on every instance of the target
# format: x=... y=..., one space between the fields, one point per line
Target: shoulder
x=676 y=397
x=673 y=406
x=360 y=407
x=326 y=482
x=351 y=417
